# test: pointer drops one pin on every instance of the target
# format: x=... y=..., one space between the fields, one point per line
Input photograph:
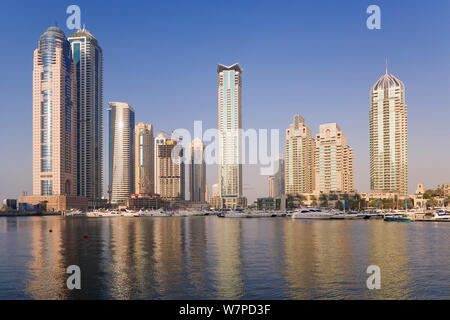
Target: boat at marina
x=313 y=213
x=74 y=212
x=441 y=215
x=398 y=219
x=348 y=216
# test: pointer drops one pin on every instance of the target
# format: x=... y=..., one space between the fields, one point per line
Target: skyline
x=427 y=105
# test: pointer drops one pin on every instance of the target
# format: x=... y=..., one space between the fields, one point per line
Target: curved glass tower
x=121 y=151
x=54 y=116
x=388 y=136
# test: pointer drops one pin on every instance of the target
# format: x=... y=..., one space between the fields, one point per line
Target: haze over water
x=213 y=258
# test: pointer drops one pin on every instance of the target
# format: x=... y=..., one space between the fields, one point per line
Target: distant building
x=197 y=172
x=144 y=201
x=276 y=181
x=144 y=159
x=10 y=204
x=169 y=169
x=230 y=125
x=268 y=203
x=121 y=151
x=299 y=167
x=333 y=161
x=88 y=58
x=388 y=136
x=419 y=201
x=445 y=187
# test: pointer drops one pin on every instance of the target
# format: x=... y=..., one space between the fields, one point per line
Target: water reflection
x=214 y=258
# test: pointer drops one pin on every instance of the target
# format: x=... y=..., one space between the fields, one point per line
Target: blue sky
x=314 y=58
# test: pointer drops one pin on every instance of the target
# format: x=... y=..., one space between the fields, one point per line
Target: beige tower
x=144 y=159
x=333 y=161
x=54 y=117
x=388 y=136
x=299 y=162
x=169 y=169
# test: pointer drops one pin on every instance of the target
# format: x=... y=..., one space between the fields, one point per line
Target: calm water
x=214 y=258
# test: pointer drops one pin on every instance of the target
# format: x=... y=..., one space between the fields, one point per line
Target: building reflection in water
x=46 y=277
x=196 y=257
x=328 y=260
x=215 y=258
x=229 y=284
x=388 y=250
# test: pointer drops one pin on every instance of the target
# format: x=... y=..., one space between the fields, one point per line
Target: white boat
x=348 y=216
x=441 y=214
x=151 y=213
x=74 y=212
x=313 y=213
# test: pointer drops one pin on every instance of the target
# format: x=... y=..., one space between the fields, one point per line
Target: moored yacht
x=312 y=213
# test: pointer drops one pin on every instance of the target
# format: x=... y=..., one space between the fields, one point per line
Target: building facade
x=276 y=182
x=88 y=59
x=388 y=136
x=169 y=169
x=299 y=163
x=197 y=172
x=333 y=161
x=144 y=159
x=230 y=125
x=54 y=117
x=121 y=151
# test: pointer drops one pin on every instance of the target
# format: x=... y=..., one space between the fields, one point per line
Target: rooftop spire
x=386 y=65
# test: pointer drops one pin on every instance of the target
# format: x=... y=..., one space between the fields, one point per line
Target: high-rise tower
x=144 y=159
x=333 y=161
x=197 y=172
x=299 y=163
x=54 y=117
x=169 y=169
x=230 y=125
x=121 y=151
x=388 y=136
x=88 y=58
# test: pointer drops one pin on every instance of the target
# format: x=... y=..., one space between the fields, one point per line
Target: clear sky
x=314 y=58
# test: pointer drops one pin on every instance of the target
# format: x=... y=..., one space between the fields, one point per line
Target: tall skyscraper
x=388 y=136
x=197 y=172
x=299 y=166
x=88 y=58
x=144 y=159
x=333 y=161
x=276 y=182
x=169 y=169
x=230 y=125
x=54 y=117
x=121 y=151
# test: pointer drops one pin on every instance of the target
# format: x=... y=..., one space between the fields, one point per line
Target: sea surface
x=222 y=258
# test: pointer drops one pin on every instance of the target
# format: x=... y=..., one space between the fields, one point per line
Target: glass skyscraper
x=88 y=58
x=121 y=151
x=230 y=125
x=197 y=171
x=54 y=116
x=388 y=136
